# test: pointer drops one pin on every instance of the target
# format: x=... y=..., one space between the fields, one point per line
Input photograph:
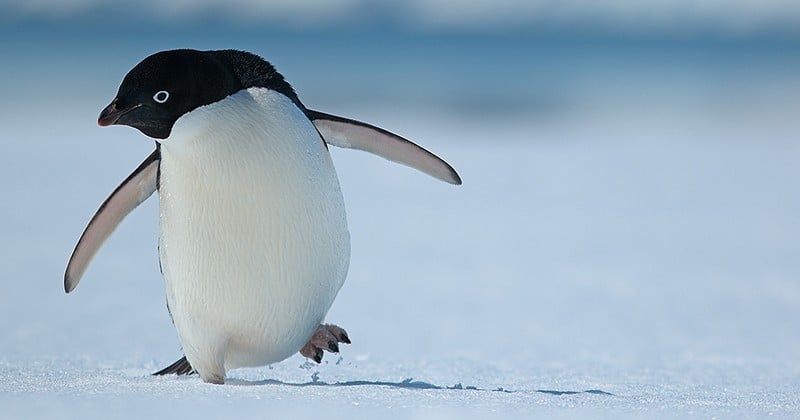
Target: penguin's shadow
x=409 y=383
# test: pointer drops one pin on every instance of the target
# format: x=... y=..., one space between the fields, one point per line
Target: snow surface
x=634 y=255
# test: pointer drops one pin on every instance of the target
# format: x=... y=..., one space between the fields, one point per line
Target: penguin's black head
x=168 y=84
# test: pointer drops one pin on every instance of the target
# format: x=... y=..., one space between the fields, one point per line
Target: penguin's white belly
x=254 y=243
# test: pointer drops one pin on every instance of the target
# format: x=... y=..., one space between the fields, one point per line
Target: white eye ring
x=161 y=96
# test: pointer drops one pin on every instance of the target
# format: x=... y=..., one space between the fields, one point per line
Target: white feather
x=254 y=242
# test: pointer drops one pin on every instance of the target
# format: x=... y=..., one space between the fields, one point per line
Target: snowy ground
x=631 y=255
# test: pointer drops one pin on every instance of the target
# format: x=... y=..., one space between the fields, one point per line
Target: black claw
x=344 y=338
x=317 y=355
x=333 y=347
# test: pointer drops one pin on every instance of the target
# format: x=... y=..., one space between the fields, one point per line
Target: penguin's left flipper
x=327 y=337
x=352 y=134
x=180 y=367
x=136 y=188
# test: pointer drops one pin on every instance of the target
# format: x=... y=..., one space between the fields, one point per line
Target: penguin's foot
x=327 y=338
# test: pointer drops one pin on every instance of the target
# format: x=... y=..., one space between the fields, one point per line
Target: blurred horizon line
x=590 y=35
x=737 y=20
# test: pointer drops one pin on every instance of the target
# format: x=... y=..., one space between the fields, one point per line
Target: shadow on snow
x=409 y=383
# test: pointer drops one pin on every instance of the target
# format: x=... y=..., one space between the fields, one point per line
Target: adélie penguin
x=253 y=240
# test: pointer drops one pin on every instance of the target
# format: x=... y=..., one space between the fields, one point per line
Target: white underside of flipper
x=254 y=242
x=139 y=186
x=352 y=134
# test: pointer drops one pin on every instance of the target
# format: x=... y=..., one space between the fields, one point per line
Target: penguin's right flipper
x=136 y=188
x=181 y=367
x=352 y=134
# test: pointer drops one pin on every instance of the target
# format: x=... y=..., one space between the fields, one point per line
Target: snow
x=632 y=255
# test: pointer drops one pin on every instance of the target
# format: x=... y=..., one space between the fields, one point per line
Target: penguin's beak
x=111 y=114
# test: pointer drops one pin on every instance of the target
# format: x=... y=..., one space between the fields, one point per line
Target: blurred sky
x=507 y=57
x=665 y=16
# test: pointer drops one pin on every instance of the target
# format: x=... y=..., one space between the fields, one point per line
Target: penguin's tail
x=181 y=367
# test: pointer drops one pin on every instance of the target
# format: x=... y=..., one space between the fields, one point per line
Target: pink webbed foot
x=326 y=338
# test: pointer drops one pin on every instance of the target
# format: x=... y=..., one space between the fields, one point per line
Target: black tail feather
x=181 y=367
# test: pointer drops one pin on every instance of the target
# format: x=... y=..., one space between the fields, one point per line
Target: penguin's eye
x=161 y=96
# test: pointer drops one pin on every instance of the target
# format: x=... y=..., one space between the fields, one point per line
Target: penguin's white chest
x=254 y=243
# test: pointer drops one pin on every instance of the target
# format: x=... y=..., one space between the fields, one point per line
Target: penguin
x=253 y=239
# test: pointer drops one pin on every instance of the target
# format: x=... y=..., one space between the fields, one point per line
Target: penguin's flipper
x=352 y=134
x=180 y=367
x=136 y=188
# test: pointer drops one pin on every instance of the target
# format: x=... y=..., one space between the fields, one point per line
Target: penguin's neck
x=251 y=124
x=253 y=149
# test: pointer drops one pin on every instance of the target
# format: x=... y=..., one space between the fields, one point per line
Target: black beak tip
x=104 y=120
x=111 y=114
x=107 y=114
